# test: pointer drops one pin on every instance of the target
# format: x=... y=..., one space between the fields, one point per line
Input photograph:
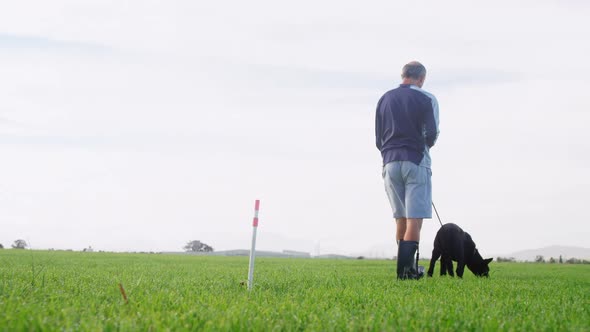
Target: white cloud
x=136 y=125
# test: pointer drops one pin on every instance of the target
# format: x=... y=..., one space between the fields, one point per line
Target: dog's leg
x=435 y=256
x=460 y=269
x=460 y=264
x=443 y=265
x=450 y=267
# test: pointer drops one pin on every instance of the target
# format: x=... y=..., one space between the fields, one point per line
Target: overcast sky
x=141 y=125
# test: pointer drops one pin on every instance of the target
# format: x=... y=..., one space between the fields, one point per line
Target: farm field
x=73 y=291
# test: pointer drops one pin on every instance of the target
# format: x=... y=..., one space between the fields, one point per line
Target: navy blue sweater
x=406 y=125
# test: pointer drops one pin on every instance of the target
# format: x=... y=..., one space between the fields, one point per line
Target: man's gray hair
x=414 y=70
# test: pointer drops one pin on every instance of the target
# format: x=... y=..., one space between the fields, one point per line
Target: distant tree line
x=551 y=260
x=505 y=259
x=20 y=244
x=197 y=246
x=191 y=246
x=573 y=260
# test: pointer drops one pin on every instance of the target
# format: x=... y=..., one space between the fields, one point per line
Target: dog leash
x=441 y=224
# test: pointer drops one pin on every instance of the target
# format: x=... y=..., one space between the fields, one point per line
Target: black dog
x=456 y=245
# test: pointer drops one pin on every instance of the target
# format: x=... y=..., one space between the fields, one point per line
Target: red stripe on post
x=256 y=207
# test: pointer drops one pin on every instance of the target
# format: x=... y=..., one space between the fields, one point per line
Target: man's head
x=414 y=73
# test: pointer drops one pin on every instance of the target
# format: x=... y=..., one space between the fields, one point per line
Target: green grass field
x=75 y=291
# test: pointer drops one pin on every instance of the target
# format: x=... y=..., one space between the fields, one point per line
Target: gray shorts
x=409 y=189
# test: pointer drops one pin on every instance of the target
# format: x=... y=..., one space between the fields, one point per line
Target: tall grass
x=80 y=291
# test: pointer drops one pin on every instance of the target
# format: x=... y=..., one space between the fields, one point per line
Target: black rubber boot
x=406 y=265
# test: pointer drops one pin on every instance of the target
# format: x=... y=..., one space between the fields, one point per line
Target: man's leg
x=395 y=189
x=400 y=229
x=418 y=199
x=417 y=203
x=413 y=228
x=406 y=268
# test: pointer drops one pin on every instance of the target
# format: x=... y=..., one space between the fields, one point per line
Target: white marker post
x=253 y=250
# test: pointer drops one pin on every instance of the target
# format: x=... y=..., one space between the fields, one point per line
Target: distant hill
x=552 y=251
x=246 y=252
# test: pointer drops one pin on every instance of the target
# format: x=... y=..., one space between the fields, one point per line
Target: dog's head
x=479 y=266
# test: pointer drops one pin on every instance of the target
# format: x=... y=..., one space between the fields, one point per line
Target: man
x=406 y=127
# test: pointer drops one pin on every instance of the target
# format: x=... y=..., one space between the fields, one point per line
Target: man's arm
x=431 y=124
x=378 y=129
